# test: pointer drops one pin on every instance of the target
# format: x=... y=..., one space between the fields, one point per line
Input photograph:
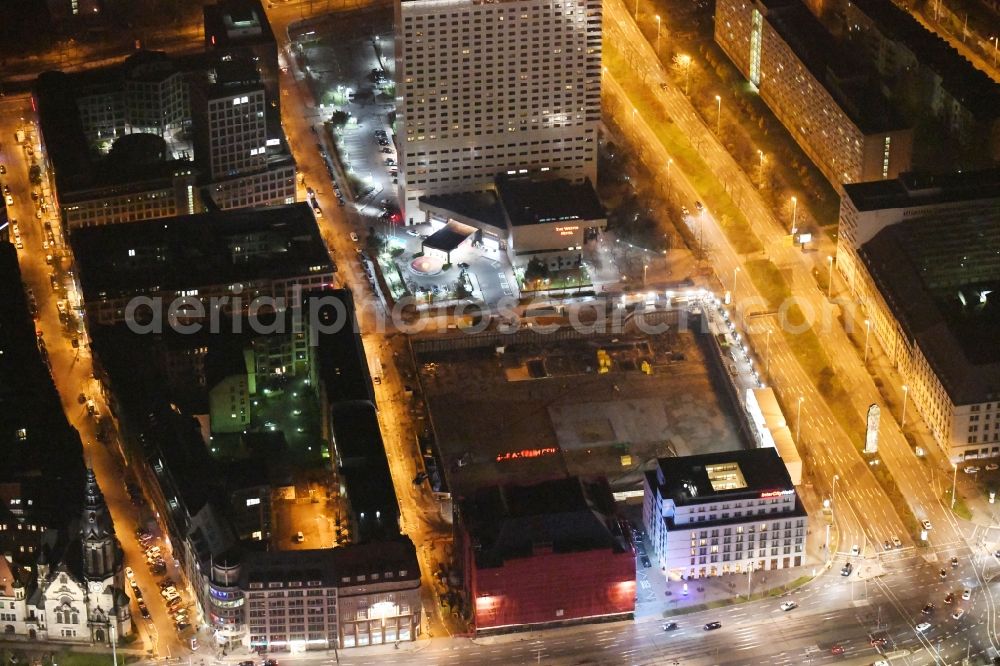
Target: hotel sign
x=768 y=494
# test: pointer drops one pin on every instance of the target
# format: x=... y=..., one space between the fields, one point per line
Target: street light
x=996 y=44
x=954 y=481
x=735 y=273
x=868 y=330
x=718 y=116
x=798 y=420
x=657 y=35
x=902 y=419
x=636 y=11
x=795 y=203
x=684 y=60
x=829 y=284
x=635 y=112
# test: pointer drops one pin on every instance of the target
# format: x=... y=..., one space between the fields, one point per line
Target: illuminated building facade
x=529 y=217
x=724 y=513
x=823 y=97
x=485 y=89
x=920 y=253
x=547 y=554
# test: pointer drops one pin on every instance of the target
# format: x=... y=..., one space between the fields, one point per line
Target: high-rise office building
x=231 y=126
x=490 y=88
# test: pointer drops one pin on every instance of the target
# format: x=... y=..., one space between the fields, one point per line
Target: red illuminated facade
x=551 y=553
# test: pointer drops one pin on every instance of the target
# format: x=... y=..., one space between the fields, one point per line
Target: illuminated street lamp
x=954 y=482
x=684 y=60
x=736 y=272
x=868 y=330
x=718 y=116
x=798 y=419
x=902 y=418
x=657 y=35
x=996 y=44
x=829 y=285
x=636 y=11
x=795 y=204
x=635 y=112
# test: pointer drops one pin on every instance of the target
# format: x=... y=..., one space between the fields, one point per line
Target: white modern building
x=921 y=254
x=724 y=513
x=485 y=89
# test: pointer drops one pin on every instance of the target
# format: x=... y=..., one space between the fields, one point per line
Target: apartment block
x=724 y=513
x=920 y=254
x=825 y=97
x=922 y=67
x=486 y=89
x=186 y=262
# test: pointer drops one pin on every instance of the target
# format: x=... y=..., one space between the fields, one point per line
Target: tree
x=535 y=270
x=339 y=118
x=461 y=289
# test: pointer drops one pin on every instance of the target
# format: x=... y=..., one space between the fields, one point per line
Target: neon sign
x=526 y=453
x=567 y=231
x=776 y=493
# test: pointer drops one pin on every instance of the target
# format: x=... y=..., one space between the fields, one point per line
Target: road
x=920 y=484
x=72 y=372
x=420 y=513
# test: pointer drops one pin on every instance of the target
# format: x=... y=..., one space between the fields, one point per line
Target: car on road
x=847 y=569
x=246 y=663
x=943 y=573
x=684 y=211
x=958 y=614
x=879 y=641
x=886 y=545
x=299 y=537
x=129 y=572
x=144 y=611
x=354 y=237
x=181 y=626
x=954 y=562
x=926 y=524
x=3 y=169
x=970 y=469
x=949 y=598
x=992 y=467
x=712 y=626
x=837 y=650
x=645 y=562
x=855 y=550
x=966 y=594
x=670 y=626
x=789 y=605
x=10 y=200
x=928 y=607
x=896 y=542
x=923 y=626
x=699 y=206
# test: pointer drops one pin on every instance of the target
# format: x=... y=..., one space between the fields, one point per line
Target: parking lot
x=349 y=67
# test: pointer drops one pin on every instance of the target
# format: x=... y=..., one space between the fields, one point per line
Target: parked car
x=354 y=237
x=144 y=611
x=129 y=573
x=970 y=469
x=926 y=524
x=958 y=614
x=966 y=594
x=992 y=467
x=923 y=626
x=896 y=542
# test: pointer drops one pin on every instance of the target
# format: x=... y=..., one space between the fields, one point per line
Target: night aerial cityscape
x=498 y=332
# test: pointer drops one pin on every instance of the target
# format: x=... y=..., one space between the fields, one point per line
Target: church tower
x=97 y=535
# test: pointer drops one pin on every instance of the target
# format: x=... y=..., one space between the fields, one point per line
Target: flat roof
x=976 y=91
x=566 y=515
x=941 y=278
x=449 y=237
x=527 y=200
x=245 y=19
x=482 y=207
x=924 y=189
x=838 y=70
x=727 y=475
x=195 y=251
